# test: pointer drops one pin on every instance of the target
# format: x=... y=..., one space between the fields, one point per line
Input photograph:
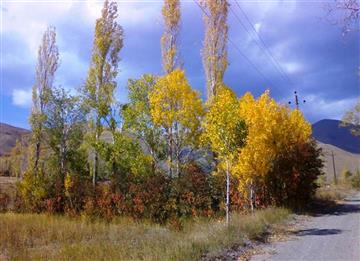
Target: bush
x=355 y=180
x=293 y=180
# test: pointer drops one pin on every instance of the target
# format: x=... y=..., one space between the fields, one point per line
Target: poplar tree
x=178 y=110
x=214 y=52
x=225 y=132
x=171 y=15
x=100 y=84
x=170 y=60
x=47 y=64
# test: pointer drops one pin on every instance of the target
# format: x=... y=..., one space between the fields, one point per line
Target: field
x=40 y=237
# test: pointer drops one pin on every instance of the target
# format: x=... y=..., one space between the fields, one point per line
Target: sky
x=278 y=45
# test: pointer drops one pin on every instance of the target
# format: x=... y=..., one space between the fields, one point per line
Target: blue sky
x=321 y=63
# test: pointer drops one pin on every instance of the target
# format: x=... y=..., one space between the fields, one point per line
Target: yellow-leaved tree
x=225 y=132
x=273 y=129
x=178 y=110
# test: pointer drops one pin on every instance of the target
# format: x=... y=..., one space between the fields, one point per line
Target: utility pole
x=333 y=163
x=297 y=100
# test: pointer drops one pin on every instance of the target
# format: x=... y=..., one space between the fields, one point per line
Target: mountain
x=329 y=132
x=8 y=137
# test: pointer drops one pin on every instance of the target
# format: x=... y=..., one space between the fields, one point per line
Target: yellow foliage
x=173 y=102
x=221 y=124
x=272 y=129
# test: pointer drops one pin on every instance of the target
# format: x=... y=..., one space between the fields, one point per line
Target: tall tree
x=225 y=132
x=178 y=110
x=137 y=117
x=215 y=44
x=64 y=127
x=272 y=130
x=100 y=84
x=47 y=64
x=171 y=15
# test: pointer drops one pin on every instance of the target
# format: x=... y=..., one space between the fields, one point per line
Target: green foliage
x=137 y=118
x=98 y=92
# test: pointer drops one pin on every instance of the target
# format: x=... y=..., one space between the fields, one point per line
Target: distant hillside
x=329 y=132
x=8 y=137
x=343 y=160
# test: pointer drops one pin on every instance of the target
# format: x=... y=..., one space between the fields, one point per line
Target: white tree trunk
x=227 y=192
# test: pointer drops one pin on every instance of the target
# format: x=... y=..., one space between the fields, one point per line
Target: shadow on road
x=317 y=232
x=349 y=206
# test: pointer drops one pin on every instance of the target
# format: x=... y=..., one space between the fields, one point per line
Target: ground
x=331 y=235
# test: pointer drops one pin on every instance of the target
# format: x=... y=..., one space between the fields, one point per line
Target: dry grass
x=38 y=237
x=333 y=192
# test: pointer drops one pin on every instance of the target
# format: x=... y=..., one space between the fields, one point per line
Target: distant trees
x=98 y=92
x=352 y=119
x=215 y=44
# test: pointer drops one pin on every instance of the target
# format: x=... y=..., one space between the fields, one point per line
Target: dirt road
x=329 y=236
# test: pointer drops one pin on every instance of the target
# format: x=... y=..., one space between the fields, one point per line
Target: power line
x=238 y=49
x=257 y=43
x=264 y=44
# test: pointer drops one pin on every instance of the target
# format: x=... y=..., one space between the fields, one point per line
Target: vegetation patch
x=39 y=236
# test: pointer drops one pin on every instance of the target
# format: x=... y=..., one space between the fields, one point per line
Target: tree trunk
x=96 y=160
x=252 y=196
x=170 y=151
x=227 y=192
x=37 y=155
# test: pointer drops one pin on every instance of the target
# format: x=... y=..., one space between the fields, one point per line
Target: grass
x=334 y=192
x=40 y=237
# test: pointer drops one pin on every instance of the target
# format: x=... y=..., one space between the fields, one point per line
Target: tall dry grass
x=40 y=237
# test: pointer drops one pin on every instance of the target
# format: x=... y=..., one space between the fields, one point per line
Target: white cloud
x=22 y=98
x=292 y=67
x=320 y=108
x=29 y=20
x=257 y=27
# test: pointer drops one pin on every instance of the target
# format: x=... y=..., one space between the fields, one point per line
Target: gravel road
x=332 y=236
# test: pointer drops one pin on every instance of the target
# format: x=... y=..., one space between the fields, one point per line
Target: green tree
x=137 y=117
x=47 y=64
x=225 y=132
x=100 y=84
x=64 y=128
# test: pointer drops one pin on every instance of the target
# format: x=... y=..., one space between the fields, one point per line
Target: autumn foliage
x=165 y=155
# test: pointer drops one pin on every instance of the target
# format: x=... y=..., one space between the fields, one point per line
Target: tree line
x=165 y=154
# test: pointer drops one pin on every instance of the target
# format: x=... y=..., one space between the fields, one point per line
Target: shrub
x=293 y=180
x=355 y=180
